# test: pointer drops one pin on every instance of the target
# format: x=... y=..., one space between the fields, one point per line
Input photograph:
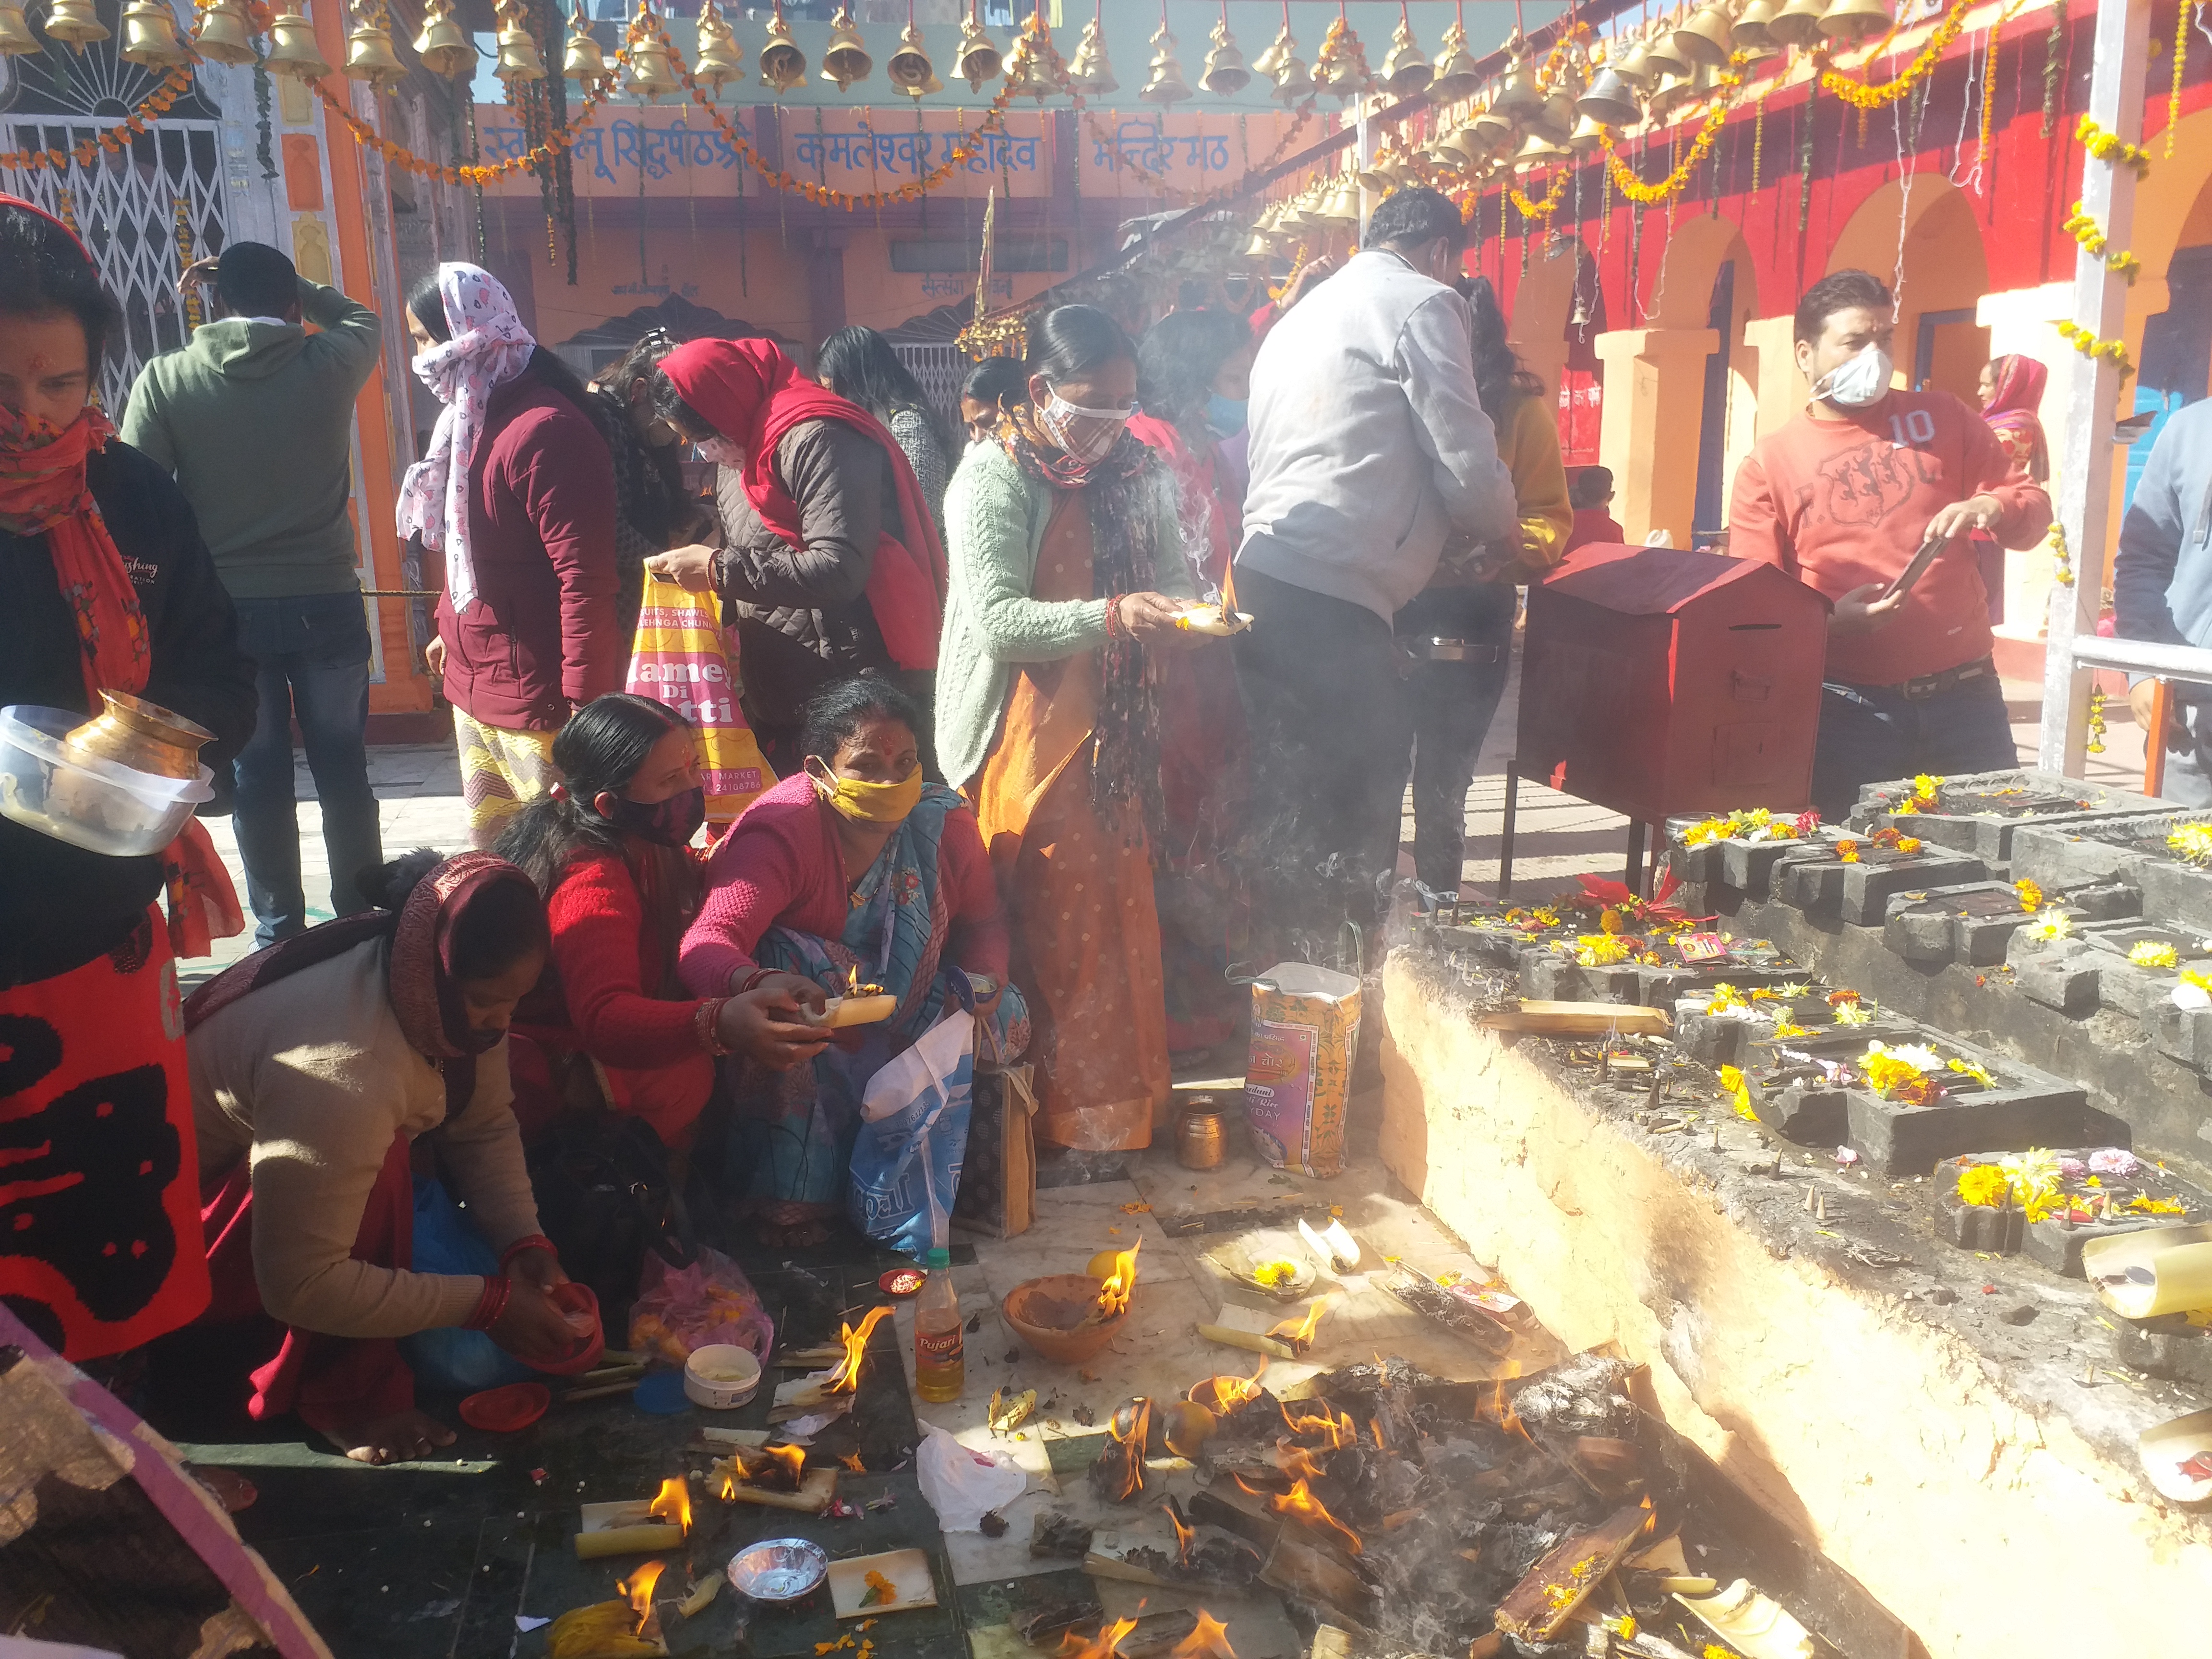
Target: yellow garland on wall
x=1672 y=185
x=2062 y=558
x=1549 y=206
x=2110 y=147
x=2083 y=229
x=2180 y=58
x=1862 y=96
x=2086 y=342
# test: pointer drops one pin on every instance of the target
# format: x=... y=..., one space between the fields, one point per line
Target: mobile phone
x=1917 y=567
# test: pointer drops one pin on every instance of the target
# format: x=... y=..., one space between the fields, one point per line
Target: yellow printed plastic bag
x=1306 y=1030
x=684 y=660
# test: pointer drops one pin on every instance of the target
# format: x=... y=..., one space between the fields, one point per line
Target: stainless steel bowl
x=779 y=1569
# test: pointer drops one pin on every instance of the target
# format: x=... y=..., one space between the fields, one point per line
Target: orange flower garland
x=157 y=105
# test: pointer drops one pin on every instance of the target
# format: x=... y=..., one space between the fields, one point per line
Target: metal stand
x=1505 y=835
x=1634 y=875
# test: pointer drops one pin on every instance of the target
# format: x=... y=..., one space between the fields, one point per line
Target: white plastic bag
x=963 y=1485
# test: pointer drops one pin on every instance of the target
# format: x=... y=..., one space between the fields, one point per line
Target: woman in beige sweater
x=315 y=1065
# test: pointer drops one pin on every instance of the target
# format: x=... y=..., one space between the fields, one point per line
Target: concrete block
x=2108 y=901
x=1980 y=813
x=2062 y=976
x=2026 y=1108
x=2139 y=991
x=1749 y=866
x=2183 y=1033
x=1879 y=873
x=2167 y=1347
x=2060 y=857
x=1969 y=923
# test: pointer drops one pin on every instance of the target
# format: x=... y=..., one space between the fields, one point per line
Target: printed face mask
x=723 y=452
x=863 y=802
x=1085 y=434
x=669 y=822
x=1857 y=381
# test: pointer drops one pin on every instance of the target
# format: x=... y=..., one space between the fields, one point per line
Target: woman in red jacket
x=518 y=493
x=609 y=848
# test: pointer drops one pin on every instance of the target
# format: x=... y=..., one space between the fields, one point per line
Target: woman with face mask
x=518 y=495
x=854 y=869
x=1068 y=577
x=832 y=564
x=610 y=1026
x=1194 y=374
x=316 y=1065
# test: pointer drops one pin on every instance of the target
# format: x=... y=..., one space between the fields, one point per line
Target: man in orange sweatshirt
x=1842 y=498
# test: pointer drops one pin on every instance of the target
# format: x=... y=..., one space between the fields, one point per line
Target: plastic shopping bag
x=447 y=1242
x=682 y=1309
x=914 y=1136
x=962 y=1485
x=685 y=659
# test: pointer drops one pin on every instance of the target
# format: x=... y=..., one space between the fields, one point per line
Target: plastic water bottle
x=940 y=1371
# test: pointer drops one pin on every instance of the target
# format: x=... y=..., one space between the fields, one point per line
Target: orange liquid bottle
x=940 y=1369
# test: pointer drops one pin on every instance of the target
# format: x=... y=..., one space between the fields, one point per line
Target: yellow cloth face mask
x=868 y=803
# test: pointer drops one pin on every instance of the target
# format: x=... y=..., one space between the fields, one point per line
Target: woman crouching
x=316 y=1065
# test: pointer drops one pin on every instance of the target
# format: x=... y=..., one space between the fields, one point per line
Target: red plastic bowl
x=572 y=1298
x=503 y=1411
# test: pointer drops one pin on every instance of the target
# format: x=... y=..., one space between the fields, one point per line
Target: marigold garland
x=1863 y=96
x=2111 y=147
x=2086 y=342
x=2062 y=557
x=479 y=173
x=1550 y=204
x=2083 y=229
x=1674 y=183
x=156 y=104
x=2180 y=58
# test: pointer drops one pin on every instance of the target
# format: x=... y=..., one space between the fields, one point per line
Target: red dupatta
x=2011 y=407
x=752 y=393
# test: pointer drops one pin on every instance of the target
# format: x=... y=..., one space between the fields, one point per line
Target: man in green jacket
x=255 y=418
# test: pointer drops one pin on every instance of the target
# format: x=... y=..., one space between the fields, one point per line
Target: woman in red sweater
x=854 y=867
x=610 y=851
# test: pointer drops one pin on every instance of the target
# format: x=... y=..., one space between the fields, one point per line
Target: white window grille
x=940 y=368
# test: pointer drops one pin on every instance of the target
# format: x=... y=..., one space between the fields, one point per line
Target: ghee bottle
x=940 y=1371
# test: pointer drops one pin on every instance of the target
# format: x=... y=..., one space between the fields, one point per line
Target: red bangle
x=528 y=1242
x=490 y=1306
x=1112 y=616
x=707 y=1023
x=752 y=981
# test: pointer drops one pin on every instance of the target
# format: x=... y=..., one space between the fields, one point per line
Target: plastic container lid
x=94 y=804
x=503 y=1411
x=40 y=731
x=940 y=1258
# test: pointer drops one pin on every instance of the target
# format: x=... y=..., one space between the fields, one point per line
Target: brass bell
x=1342 y=207
x=225 y=35
x=1223 y=73
x=1634 y=66
x=1340 y=66
x=718 y=61
x=1560 y=114
x=845 y=59
x=76 y=23
x=1751 y=32
x=1405 y=67
x=1493 y=124
x=15 y=36
x=369 y=56
x=651 y=74
x=1089 y=70
x=519 y=58
x=1672 y=92
x=1537 y=149
x=1517 y=98
x=782 y=65
x=583 y=62
x=1471 y=148
x=909 y=69
x=149 y=36
x=292 y=47
x=977 y=60
x=1380 y=175
x=1030 y=65
x=1300 y=214
x=1798 y=23
x=1852 y=21
x=1456 y=75
x=1276 y=53
x=1589 y=135
x=1608 y=100
x=1165 y=84
x=1294 y=83
x=1664 y=58
x=443 y=47
x=1703 y=37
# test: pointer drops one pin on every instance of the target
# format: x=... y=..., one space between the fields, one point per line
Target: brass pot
x=1201 y=1137
x=141 y=736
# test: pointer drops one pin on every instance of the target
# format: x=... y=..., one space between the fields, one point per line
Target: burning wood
x=673 y=1502
x=1544 y=1600
x=774 y=1477
x=1301 y=1506
x=1209 y=1641
x=1225 y=1396
x=832 y=1390
x=771 y=1468
x=1185 y=1536
x=1336 y=1432
x=1107 y=1644
x=639 y=1590
x=1118 y=1286
x=1118 y=1476
x=1298 y=1334
x=846 y=1377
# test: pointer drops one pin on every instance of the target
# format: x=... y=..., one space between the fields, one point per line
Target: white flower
x=1919 y=1056
x=2114 y=1161
x=2191 y=997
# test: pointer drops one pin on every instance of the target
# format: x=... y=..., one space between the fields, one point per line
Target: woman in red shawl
x=2012 y=389
x=105 y=584
x=830 y=564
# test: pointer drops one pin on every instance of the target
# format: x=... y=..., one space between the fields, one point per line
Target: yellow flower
x=1982 y=1184
x=1908 y=845
x=1786 y=1027
x=2051 y=925
x=2191 y=841
x=2143 y=1204
x=1980 y=1074
x=1853 y=1013
x=1704 y=832
x=1724 y=997
x=1906 y=805
x=1601 y=949
x=1924 y=788
x=1847 y=851
x=1888 y=1068
x=2031 y=894
x=1735 y=1090
x=2150 y=953
x=1609 y=920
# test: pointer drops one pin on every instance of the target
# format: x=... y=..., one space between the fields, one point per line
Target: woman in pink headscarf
x=830 y=564
x=2012 y=389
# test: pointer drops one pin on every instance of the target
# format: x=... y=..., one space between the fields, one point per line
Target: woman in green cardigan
x=1067 y=572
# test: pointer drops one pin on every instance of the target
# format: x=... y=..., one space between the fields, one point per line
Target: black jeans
x=312 y=657
x=1871 y=734
x=1326 y=720
x=1453 y=703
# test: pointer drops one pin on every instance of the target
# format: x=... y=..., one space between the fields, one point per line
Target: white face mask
x=1858 y=380
x=1085 y=434
x=723 y=452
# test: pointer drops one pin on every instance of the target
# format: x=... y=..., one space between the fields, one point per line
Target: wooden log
x=1299 y=1569
x=1250 y=1341
x=1234 y=1510
x=1578 y=1019
x=1330 y=1643
x=1111 y=1557
x=1543 y=1602
x=813 y=1496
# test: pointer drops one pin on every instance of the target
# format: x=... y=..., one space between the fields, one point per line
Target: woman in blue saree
x=855 y=872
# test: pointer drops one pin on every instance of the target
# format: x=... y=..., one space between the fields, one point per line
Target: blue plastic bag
x=447 y=1242
x=914 y=1135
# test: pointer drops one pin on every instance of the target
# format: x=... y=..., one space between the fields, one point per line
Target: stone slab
x=2122 y=984
x=2059 y=858
x=1825 y=886
x=1967 y=923
x=2167 y=1347
x=2043 y=799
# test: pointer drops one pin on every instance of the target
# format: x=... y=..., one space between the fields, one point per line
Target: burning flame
x=846 y=1379
x=1375 y=1428
x=1132 y=1478
x=729 y=1492
x=673 y=1503
x=1300 y=1505
x=1224 y=1395
x=1118 y=1286
x=1339 y=1432
x=852 y=1461
x=1105 y=1645
x=1209 y=1641
x=639 y=1589
x=1299 y=1332
x=1297 y=1461
x=1185 y=1536
x=793 y=1459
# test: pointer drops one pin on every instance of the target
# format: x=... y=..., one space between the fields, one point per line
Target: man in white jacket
x=1370 y=452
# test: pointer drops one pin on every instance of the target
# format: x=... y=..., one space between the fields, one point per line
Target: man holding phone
x=1845 y=497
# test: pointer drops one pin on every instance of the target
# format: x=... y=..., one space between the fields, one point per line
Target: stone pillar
x=1654 y=399
x=1769 y=365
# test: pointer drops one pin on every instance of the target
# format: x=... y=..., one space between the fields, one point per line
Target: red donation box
x=1659 y=682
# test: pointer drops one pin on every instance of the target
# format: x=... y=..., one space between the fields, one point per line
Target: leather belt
x=1440 y=650
x=1935 y=685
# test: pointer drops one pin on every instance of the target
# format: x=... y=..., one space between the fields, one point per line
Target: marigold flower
x=1983 y=1185
x=2031 y=894
x=2153 y=953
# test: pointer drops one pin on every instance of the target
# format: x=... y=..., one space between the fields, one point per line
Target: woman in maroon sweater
x=854 y=868
x=608 y=1026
